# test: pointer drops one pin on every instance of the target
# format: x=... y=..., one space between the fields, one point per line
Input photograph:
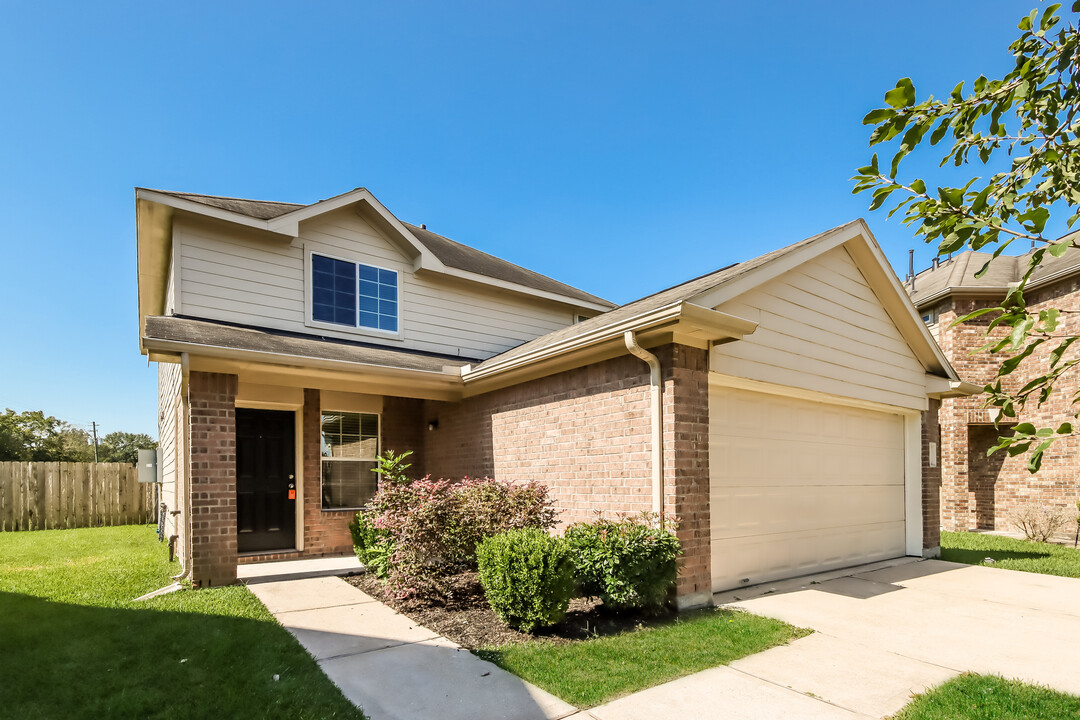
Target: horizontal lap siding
x=234 y=275
x=168 y=397
x=821 y=328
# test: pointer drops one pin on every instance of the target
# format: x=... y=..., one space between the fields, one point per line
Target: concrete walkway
x=882 y=634
x=392 y=668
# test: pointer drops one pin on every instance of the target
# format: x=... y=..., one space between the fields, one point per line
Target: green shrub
x=629 y=563
x=372 y=546
x=435 y=525
x=527 y=576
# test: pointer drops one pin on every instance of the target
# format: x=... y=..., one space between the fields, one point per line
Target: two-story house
x=981 y=492
x=776 y=406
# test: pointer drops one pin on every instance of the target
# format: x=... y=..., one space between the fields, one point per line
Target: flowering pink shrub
x=435 y=525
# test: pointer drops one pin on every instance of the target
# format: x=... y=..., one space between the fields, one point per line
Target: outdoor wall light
x=433 y=425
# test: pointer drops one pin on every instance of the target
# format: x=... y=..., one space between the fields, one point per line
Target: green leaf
x=875 y=116
x=918 y=185
x=1060 y=248
x=957 y=93
x=1019 y=448
x=940 y=130
x=1065 y=429
x=1025 y=429
x=903 y=95
x=1035 y=462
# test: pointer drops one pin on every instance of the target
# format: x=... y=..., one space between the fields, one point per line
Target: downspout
x=656 y=390
x=185 y=375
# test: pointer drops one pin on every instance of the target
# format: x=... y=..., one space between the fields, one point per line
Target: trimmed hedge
x=629 y=563
x=527 y=576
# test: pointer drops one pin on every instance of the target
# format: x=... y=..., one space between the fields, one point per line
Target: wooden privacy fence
x=49 y=495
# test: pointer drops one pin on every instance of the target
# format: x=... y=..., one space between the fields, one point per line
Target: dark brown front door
x=265 y=449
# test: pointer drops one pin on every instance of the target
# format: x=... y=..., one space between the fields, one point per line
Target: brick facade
x=585 y=434
x=981 y=493
x=212 y=478
x=931 y=480
x=686 y=465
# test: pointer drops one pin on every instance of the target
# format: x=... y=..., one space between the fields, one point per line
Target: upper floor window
x=353 y=294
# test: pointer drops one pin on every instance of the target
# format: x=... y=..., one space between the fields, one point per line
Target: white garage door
x=801 y=487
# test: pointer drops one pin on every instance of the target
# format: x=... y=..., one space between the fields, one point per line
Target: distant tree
x=1029 y=121
x=124 y=447
x=35 y=436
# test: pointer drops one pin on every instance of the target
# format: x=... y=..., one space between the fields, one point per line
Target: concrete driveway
x=883 y=632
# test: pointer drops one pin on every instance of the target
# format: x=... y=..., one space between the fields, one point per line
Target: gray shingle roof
x=679 y=293
x=449 y=252
x=958 y=273
x=225 y=335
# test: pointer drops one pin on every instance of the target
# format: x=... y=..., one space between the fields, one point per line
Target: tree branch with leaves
x=1029 y=116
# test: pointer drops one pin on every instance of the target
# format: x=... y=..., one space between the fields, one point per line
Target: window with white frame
x=350 y=446
x=353 y=294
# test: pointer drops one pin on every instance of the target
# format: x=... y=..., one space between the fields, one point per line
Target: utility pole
x=94 y=426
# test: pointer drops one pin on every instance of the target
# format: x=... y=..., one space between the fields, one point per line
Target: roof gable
x=714 y=289
x=429 y=252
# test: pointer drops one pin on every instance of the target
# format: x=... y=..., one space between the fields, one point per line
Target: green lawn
x=985 y=697
x=1011 y=554
x=74 y=645
x=590 y=672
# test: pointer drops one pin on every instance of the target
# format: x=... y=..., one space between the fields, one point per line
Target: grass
x=987 y=697
x=590 y=672
x=74 y=645
x=1011 y=554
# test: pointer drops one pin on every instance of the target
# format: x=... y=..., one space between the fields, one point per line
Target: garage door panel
x=743 y=511
x=757 y=559
x=799 y=486
x=776 y=461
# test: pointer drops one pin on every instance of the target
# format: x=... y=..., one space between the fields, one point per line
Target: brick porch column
x=212 y=478
x=686 y=466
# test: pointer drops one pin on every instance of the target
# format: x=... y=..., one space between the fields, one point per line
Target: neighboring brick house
x=776 y=406
x=980 y=492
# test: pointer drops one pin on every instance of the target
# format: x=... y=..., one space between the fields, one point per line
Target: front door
x=265 y=480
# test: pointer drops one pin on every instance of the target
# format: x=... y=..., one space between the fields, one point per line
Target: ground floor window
x=350 y=444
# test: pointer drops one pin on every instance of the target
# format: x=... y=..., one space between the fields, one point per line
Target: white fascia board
x=448 y=375
x=289 y=223
x=900 y=309
x=939 y=387
x=768 y=271
x=720 y=325
x=524 y=290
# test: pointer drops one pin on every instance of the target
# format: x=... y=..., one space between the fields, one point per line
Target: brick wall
x=931 y=480
x=325 y=532
x=686 y=465
x=585 y=434
x=982 y=493
x=212 y=478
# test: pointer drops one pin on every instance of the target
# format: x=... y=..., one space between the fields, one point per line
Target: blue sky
x=620 y=147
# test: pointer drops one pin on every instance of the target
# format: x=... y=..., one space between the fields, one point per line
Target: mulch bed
x=468 y=620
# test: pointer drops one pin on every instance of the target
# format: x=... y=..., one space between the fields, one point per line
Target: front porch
x=257 y=493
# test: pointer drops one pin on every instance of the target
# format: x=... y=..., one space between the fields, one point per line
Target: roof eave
x=449 y=376
x=682 y=318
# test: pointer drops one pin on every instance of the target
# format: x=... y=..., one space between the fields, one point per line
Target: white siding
x=230 y=274
x=822 y=328
x=168 y=397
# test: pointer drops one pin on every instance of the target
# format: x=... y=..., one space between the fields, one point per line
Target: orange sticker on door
x=292 y=494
